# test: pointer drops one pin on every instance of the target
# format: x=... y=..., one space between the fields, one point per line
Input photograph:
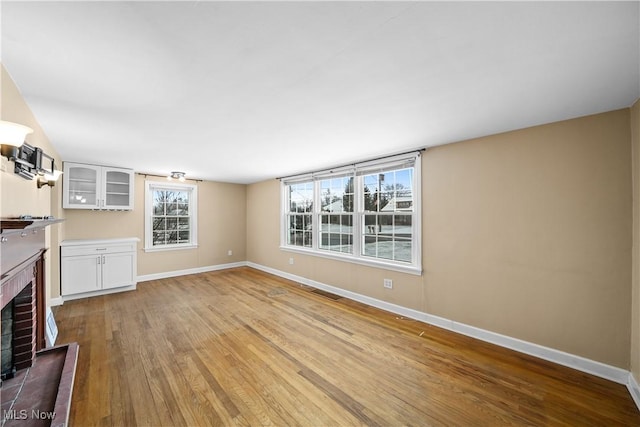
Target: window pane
x=402 y=250
x=402 y=225
x=370 y=246
x=371 y=224
x=158 y=223
x=301 y=197
x=183 y=209
x=158 y=238
x=336 y=233
x=299 y=227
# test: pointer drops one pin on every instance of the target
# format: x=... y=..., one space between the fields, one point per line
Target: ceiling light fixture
x=176 y=175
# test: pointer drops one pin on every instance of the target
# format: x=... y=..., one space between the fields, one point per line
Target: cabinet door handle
x=104 y=260
x=98 y=260
x=101 y=249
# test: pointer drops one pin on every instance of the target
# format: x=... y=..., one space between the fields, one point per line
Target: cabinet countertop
x=90 y=242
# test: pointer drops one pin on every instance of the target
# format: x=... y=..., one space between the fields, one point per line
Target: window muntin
x=336 y=214
x=170 y=216
x=300 y=214
x=387 y=215
x=368 y=213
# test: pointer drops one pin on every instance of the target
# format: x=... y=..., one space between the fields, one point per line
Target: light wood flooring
x=241 y=347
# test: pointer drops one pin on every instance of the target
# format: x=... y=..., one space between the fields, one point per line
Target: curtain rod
x=417 y=150
x=165 y=176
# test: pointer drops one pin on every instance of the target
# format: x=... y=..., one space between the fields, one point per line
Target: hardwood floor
x=241 y=347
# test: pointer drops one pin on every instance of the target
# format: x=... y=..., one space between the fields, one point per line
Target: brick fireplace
x=23 y=305
x=18 y=332
x=36 y=382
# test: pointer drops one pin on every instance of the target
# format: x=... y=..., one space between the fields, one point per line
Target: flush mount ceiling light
x=12 y=136
x=176 y=175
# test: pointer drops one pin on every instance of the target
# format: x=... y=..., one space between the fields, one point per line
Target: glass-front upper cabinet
x=97 y=187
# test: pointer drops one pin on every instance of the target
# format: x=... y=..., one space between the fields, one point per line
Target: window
x=299 y=215
x=388 y=215
x=367 y=213
x=170 y=216
x=336 y=214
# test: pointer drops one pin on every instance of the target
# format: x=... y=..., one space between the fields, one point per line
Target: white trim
x=149 y=186
x=176 y=273
x=177 y=247
x=53 y=302
x=369 y=262
x=634 y=389
x=411 y=160
x=579 y=363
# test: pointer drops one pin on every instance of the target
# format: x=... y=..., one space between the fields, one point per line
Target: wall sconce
x=49 y=178
x=29 y=161
x=12 y=137
x=176 y=175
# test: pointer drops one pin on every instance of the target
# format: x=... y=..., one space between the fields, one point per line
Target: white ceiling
x=245 y=91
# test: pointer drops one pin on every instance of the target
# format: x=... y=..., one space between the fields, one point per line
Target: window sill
x=170 y=248
x=409 y=269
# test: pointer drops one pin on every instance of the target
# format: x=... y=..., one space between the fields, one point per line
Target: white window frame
x=359 y=170
x=150 y=187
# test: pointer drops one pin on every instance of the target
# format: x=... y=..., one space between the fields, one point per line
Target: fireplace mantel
x=7 y=224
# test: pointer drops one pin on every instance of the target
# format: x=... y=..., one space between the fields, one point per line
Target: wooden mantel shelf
x=21 y=224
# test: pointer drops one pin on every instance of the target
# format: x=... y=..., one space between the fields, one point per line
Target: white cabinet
x=97 y=187
x=97 y=266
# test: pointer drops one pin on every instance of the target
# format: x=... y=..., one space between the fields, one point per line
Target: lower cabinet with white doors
x=97 y=267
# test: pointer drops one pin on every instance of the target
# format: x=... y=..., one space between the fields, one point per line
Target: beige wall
x=635 y=310
x=19 y=196
x=263 y=241
x=527 y=234
x=221 y=227
x=221 y=210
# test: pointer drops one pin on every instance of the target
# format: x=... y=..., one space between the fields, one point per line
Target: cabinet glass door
x=117 y=189
x=83 y=186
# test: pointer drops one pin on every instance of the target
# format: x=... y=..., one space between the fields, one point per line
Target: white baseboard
x=56 y=301
x=593 y=367
x=176 y=273
x=634 y=389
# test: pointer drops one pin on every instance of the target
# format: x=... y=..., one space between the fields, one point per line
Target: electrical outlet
x=230 y=252
x=388 y=283
x=291 y=261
